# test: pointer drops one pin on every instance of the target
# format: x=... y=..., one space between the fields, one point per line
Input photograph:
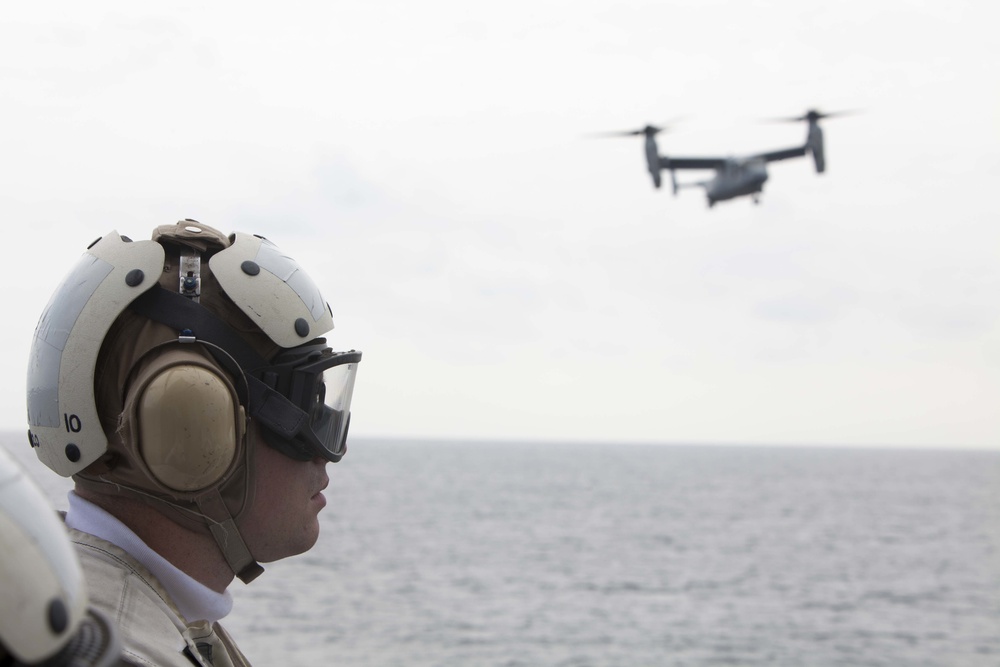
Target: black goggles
x=304 y=401
x=302 y=397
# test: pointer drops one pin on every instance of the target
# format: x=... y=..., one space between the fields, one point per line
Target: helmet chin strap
x=227 y=536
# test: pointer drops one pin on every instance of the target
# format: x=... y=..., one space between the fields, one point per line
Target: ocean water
x=513 y=554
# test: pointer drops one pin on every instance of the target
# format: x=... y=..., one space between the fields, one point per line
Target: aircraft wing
x=691 y=162
x=784 y=154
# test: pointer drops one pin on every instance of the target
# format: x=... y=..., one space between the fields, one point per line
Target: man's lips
x=325 y=483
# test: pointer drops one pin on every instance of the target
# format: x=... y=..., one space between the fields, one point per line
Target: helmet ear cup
x=187 y=435
x=187 y=423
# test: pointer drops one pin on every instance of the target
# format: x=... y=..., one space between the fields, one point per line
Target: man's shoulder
x=109 y=567
x=149 y=625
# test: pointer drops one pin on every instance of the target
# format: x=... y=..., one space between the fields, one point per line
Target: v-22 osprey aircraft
x=734 y=176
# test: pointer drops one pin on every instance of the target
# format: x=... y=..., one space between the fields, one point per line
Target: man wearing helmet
x=182 y=383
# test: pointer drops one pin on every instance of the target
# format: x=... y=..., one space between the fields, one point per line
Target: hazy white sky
x=508 y=278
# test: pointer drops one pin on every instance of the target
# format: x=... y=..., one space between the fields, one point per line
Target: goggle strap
x=274 y=411
x=182 y=314
x=270 y=407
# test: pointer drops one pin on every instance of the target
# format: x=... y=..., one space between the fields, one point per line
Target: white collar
x=194 y=600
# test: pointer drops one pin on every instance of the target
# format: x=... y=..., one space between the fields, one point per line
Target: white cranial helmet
x=267 y=286
x=43 y=600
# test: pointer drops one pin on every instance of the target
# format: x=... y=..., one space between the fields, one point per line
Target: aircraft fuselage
x=737 y=178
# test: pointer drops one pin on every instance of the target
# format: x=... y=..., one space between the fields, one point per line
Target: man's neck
x=194 y=553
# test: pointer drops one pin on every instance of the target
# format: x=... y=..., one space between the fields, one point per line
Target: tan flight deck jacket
x=151 y=630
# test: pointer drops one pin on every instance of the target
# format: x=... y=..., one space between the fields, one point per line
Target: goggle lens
x=331 y=411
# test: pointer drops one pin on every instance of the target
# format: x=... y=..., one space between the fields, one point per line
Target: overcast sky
x=507 y=277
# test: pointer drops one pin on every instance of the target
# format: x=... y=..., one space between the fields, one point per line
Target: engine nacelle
x=814 y=143
x=653 y=158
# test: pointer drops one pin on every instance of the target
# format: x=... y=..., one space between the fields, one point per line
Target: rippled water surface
x=512 y=554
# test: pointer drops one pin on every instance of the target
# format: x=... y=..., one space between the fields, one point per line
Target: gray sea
x=518 y=554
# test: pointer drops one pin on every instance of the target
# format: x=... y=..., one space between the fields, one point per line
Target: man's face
x=284 y=518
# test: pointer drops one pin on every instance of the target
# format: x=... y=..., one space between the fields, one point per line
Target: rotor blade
x=648 y=131
x=811 y=115
x=836 y=114
x=623 y=133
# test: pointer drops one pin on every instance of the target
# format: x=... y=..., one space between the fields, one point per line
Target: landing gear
x=755 y=197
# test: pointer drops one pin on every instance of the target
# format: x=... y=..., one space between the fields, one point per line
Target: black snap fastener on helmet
x=134 y=277
x=58 y=616
x=301 y=327
x=72 y=452
x=250 y=268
